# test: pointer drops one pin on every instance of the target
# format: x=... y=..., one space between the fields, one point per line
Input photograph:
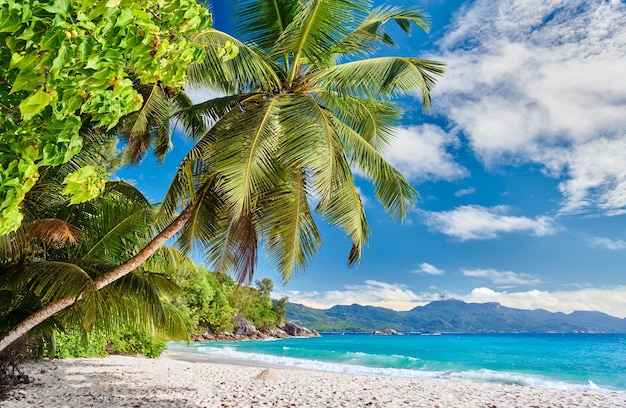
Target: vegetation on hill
x=452 y=316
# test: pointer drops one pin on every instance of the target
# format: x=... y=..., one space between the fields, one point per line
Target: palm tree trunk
x=104 y=280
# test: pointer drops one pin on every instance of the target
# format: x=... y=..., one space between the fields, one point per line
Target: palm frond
x=261 y=22
x=196 y=119
x=122 y=234
x=292 y=236
x=310 y=141
x=392 y=190
x=373 y=120
x=244 y=247
x=120 y=189
x=247 y=71
x=198 y=233
x=314 y=29
x=15 y=245
x=243 y=157
x=53 y=280
x=371 y=33
x=193 y=124
x=54 y=230
x=141 y=125
x=383 y=77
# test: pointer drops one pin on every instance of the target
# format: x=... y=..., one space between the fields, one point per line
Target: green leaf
x=125 y=18
x=64 y=56
x=83 y=185
x=52 y=40
x=85 y=48
x=34 y=104
x=59 y=7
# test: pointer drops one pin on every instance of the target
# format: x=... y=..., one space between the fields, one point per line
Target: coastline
x=169 y=381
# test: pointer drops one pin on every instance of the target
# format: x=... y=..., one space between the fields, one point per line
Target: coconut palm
x=305 y=110
x=306 y=104
x=59 y=250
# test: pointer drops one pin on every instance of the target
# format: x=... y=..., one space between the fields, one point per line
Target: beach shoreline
x=169 y=381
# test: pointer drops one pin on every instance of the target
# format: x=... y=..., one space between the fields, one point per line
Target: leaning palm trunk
x=122 y=270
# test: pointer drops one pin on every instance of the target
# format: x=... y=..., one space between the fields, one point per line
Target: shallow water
x=567 y=361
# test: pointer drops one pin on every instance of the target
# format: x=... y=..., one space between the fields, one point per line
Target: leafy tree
x=279 y=306
x=65 y=63
x=303 y=109
x=265 y=288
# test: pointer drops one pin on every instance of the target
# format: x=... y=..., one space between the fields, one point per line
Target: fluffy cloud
x=543 y=82
x=371 y=293
x=610 y=301
x=429 y=269
x=502 y=278
x=470 y=222
x=597 y=177
x=465 y=191
x=420 y=153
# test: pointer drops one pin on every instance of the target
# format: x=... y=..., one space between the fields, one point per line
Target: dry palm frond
x=54 y=230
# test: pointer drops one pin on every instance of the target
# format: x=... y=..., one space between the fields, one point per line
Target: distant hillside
x=452 y=316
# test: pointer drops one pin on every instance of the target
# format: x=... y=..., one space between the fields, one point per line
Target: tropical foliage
x=59 y=250
x=306 y=104
x=64 y=63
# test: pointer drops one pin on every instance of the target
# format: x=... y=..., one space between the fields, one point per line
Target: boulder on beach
x=243 y=327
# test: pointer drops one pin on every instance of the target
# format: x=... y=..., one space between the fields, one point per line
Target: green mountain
x=452 y=316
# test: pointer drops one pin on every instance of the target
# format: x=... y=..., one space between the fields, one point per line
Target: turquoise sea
x=567 y=361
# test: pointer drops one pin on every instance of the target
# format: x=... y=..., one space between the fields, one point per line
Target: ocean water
x=566 y=361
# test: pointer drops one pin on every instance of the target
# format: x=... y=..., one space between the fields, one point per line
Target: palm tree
x=59 y=250
x=307 y=103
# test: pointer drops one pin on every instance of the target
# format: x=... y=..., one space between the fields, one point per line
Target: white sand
x=120 y=381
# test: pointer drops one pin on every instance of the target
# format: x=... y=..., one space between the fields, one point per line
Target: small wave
x=481 y=376
x=510 y=378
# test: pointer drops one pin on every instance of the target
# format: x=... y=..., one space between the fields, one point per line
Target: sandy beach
x=122 y=381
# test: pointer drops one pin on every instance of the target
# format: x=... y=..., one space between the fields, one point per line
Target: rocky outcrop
x=293 y=329
x=243 y=327
x=386 y=332
x=244 y=330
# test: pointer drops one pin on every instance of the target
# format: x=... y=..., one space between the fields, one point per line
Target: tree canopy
x=67 y=63
x=306 y=104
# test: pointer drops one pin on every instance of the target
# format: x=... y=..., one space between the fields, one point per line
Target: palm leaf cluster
x=307 y=105
x=60 y=250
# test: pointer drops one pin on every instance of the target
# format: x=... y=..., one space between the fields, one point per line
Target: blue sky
x=520 y=164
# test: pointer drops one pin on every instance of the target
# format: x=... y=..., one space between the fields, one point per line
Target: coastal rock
x=294 y=330
x=277 y=333
x=244 y=330
x=243 y=327
x=386 y=332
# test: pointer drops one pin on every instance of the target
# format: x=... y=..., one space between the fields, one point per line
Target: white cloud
x=198 y=95
x=371 y=293
x=429 y=269
x=470 y=222
x=420 y=153
x=597 y=177
x=610 y=301
x=542 y=81
x=607 y=243
x=502 y=278
x=465 y=191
